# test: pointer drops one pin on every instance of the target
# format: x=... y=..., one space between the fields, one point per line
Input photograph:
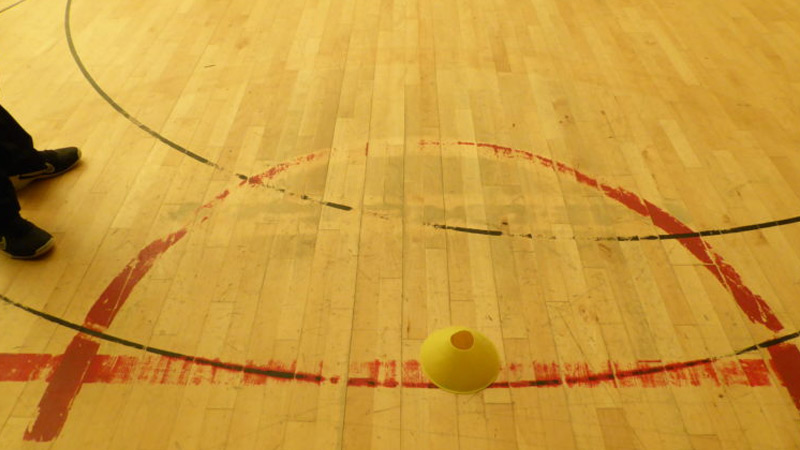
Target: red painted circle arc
x=751 y=304
x=66 y=380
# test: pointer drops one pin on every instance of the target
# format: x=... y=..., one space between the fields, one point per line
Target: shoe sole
x=22 y=183
x=39 y=251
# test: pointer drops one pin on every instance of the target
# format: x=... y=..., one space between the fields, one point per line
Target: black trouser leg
x=17 y=153
x=9 y=206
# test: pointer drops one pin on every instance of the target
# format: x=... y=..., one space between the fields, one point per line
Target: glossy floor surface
x=280 y=200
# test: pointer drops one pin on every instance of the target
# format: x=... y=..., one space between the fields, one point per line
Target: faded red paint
x=163 y=370
x=581 y=374
x=413 y=377
x=113 y=298
x=751 y=304
x=756 y=372
x=69 y=375
x=272 y=172
x=15 y=367
x=79 y=364
x=62 y=389
x=786 y=357
x=547 y=373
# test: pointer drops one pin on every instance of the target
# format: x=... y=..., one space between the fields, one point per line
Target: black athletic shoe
x=56 y=162
x=21 y=239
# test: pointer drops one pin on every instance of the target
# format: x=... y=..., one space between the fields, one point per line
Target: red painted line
x=786 y=363
x=113 y=298
x=263 y=178
x=16 y=367
x=785 y=358
x=756 y=372
x=70 y=371
x=69 y=374
x=756 y=309
x=60 y=393
x=164 y=370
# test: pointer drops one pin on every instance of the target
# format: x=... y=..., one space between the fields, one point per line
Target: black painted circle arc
x=88 y=76
x=177 y=147
x=279 y=374
x=131 y=344
x=11 y=6
x=652 y=237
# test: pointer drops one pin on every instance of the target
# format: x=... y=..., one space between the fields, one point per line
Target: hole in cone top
x=463 y=340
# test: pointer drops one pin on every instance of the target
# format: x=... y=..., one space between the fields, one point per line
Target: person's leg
x=18 y=237
x=9 y=206
x=15 y=144
x=20 y=159
x=21 y=163
x=17 y=153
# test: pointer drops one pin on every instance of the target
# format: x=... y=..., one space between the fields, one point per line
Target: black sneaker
x=21 y=239
x=56 y=162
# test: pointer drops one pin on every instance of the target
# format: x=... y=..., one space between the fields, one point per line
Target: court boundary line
x=12 y=5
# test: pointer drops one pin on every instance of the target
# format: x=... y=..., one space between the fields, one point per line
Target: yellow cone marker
x=460 y=360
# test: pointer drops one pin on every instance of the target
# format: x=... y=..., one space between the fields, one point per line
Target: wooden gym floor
x=279 y=201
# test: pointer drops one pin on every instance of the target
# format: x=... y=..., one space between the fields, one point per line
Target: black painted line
x=468 y=230
x=321 y=202
x=667 y=368
x=90 y=79
x=594 y=378
x=11 y=6
x=538 y=383
x=122 y=111
x=73 y=326
x=76 y=57
x=707 y=233
x=307 y=198
x=318 y=378
x=653 y=237
x=338 y=206
x=770 y=343
x=161 y=352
